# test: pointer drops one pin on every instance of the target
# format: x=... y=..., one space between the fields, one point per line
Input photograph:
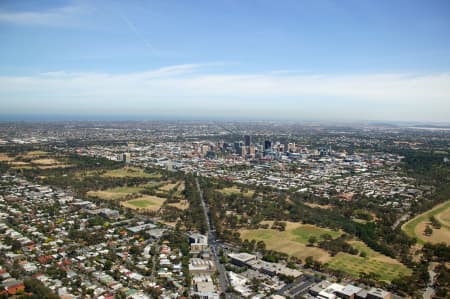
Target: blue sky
x=324 y=60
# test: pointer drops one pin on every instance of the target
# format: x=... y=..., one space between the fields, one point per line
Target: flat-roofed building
x=377 y=293
x=349 y=292
x=198 y=242
x=200 y=266
x=241 y=259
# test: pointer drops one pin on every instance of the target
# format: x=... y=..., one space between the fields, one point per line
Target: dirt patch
x=441 y=235
x=416 y=226
x=167 y=187
x=182 y=205
x=47 y=161
x=315 y=205
x=171 y=224
x=19 y=163
x=55 y=166
x=444 y=217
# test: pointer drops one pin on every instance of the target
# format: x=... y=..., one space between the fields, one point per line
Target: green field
x=145 y=202
x=152 y=184
x=354 y=265
x=115 y=193
x=141 y=203
x=362 y=247
x=294 y=240
x=303 y=233
x=236 y=190
x=411 y=226
x=130 y=172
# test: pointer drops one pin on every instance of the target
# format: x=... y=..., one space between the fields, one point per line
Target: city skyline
x=306 y=60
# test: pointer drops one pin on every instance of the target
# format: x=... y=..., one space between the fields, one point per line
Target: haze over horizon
x=294 y=60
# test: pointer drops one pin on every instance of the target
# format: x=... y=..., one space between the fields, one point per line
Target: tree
x=261 y=246
x=435 y=223
x=309 y=261
x=428 y=231
x=312 y=240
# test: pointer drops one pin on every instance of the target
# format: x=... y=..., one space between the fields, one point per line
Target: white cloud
x=67 y=15
x=184 y=89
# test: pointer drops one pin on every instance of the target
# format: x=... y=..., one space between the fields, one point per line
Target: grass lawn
x=47 y=161
x=294 y=240
x=182 y=204
x=130 y=172
x=146 y=202
x=141 y=203
x=416 y=226
x=304 y=232
x=115 y=193
x=315 y=205
x=28 y=155
x=354 y=265
x=152 y=184
x=444 y=217
x=34 y=154
x=168 y=187
x=236 y=190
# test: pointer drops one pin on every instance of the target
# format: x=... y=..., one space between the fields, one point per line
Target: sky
x=226 y=59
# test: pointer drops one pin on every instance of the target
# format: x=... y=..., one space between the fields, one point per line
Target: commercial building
x=126 y=158
x=198 y=242
x=247 y=140
x=241 y=259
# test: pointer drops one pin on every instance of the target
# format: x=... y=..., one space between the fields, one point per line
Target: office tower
x=126 y=157
x=247 y=140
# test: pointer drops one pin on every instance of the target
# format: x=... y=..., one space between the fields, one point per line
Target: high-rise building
x=267 y=145
x=126 y=157
x=204 y=149
x=243 y=151
x=237 y=146
x=247 y=140
x=291 y=147
x=251 y=150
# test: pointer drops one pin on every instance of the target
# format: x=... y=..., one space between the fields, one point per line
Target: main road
x=214 y=245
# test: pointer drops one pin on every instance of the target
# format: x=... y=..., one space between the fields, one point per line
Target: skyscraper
x=247 y=140
x=267 y=145
x=126 y=157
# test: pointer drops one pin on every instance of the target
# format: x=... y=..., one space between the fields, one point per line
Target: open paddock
x=315 y=205
x=293 y=241
x=182 y=205
x=168 y=187
x=415 y=227
x=47 y=161
x=146 y=202
x=115 y=193
x=354 y=265
x=130 y=172
x=236 y=191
